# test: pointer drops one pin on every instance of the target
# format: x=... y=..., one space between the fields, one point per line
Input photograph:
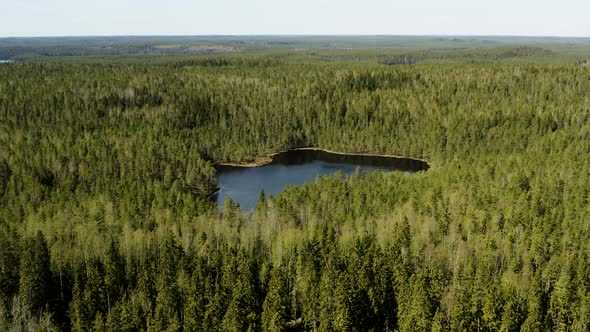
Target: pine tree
x=114 y=275
x=194 y=308
x=537 y=303
x=167 y=310
x=35 y=282
x=242 y=312
x=419 y=308
x=492 y=308
x=94 y=296
x=327 y=290
x=9 y=264
x=512 y=313
x=276 y=302
x=78 y=314
x=561 y=302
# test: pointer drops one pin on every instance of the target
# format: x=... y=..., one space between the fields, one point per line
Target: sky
x=295 y=17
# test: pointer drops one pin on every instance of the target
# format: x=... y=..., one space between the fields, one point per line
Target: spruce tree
x=35 y=283
x=276 y=302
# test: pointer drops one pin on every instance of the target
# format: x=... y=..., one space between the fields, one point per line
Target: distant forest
x=106 y=165
x=302 y=49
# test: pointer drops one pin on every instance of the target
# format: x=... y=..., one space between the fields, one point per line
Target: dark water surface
x=296 y=167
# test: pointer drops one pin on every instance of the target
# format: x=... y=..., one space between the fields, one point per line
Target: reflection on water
x=296 y=167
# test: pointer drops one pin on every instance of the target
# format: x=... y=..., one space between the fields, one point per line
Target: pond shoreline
x=261 y=161
x=243 y=182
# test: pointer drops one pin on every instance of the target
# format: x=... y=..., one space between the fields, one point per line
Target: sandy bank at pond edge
x=261 y=161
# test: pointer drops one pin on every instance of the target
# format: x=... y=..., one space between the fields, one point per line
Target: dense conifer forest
x=105 y=224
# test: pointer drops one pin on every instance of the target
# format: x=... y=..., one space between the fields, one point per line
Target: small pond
x=296 y=167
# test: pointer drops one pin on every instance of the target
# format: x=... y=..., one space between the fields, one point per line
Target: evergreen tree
x=560 y=302
x=167 y=309
x=35 y=282
x=9 y=264
x=276 y=303
x=537 y=302
x=114 y=275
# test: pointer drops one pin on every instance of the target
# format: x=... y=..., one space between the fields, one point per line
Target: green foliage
x=9 y=264
x=276 y=303
x=35 y=283
x=105 y=224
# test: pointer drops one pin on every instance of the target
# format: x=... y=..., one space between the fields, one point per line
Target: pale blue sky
x=198 y=17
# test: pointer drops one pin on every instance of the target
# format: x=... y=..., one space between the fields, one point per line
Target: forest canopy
x=105 y=169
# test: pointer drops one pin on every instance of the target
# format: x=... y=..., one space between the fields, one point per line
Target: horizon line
x=299 y=35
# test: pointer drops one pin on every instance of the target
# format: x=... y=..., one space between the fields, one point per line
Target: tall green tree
x=35 y=279
x=9 y=264
x=275 y=313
